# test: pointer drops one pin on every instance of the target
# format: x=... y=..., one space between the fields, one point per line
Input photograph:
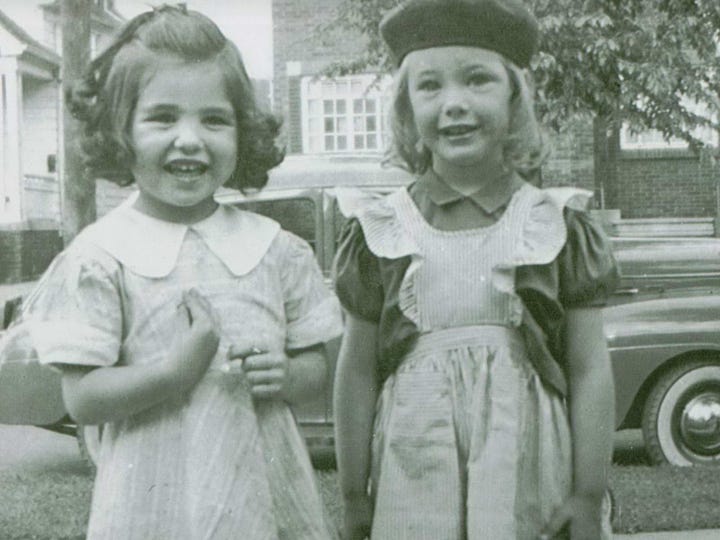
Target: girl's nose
x=455 y=103
x=187 y=140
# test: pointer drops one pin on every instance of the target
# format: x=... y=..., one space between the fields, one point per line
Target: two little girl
x=473 y=395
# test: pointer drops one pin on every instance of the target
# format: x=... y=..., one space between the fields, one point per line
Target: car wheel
x=88 y=438
x=681 y=418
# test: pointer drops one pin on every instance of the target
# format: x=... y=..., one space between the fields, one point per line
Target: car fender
x=644 y=336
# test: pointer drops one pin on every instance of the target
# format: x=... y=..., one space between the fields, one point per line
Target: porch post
x=11 y=174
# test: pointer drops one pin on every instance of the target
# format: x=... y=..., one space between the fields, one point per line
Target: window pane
x=340 y=106
x=371 y=124
x=314 y=107
x=316 y=144
x=314 y=126
x=370 y=105
x=329 y=142
x=342 y=142
x=358 y=124
x=372 y=141
x=328 y=106
x=329 y=125
x=357 y=106
x=359 y=142
x=342 y=125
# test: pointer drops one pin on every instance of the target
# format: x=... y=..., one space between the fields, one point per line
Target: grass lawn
x=54 y=505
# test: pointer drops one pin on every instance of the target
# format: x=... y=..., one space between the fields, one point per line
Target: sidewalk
x=704 y=534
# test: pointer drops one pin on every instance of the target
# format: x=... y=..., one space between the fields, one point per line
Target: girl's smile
x=184 y=138
x=460 y=99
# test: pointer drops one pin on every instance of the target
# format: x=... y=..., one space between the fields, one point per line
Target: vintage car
x=662 y=325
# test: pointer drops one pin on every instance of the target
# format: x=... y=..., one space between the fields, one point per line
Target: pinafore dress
x=468 y=441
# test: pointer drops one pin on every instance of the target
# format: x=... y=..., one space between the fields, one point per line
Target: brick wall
x=26 y=249
x=668 y=183
x=304 y=32
x=25 y=254
x=570 y=162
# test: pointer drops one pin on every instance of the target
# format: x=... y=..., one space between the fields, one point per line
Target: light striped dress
x=468 y=441
x=211 y=464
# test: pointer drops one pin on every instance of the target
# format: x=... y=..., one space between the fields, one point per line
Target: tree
x=640 y=61
x=78 y=197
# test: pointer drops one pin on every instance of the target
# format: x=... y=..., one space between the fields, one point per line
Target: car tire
x=681 y=417
x=88 y=438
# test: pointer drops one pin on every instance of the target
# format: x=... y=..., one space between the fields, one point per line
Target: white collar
x=150 y=247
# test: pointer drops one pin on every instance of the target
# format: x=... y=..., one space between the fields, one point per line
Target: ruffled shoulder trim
x=377 y=214
x=544 y=232
x=540 y=234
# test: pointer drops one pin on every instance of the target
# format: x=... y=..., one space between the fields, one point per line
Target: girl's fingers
x=264 y=362
x=265 y=391
x=235 y=352
x=232 y=366
x=266 y=376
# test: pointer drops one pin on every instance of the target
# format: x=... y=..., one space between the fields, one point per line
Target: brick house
x=652 y=183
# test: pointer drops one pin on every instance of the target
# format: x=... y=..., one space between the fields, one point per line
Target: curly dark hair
x=104 y=99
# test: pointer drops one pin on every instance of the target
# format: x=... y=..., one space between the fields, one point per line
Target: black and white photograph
x=360 y=269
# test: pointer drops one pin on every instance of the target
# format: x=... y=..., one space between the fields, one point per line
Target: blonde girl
x=473 y=397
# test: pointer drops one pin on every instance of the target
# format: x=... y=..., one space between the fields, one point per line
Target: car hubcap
x=700 y=424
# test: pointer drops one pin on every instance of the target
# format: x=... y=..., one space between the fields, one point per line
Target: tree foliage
x=642 y=61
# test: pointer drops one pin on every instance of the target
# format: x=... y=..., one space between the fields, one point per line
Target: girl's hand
x=196 y=340
x=266 y=372
x=583 y=516
x=358 y=516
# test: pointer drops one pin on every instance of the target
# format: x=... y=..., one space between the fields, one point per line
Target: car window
x=294 y=215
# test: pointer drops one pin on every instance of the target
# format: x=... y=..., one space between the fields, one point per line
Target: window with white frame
x=344 y=114
x=654 y=139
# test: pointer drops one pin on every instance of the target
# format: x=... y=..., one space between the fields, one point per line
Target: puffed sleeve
x=74 y=315
x=357 y=274
x=588 y=272
x=311 y=309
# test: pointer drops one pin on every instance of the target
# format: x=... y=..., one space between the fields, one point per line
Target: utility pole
x=78 y=191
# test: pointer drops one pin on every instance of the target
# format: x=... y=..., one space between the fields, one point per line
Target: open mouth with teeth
x=186 y=167
x=457 y=131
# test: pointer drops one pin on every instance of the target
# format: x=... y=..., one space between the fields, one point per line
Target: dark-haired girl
x=185 y=327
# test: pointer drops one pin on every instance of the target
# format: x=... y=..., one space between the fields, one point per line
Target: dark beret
x=503 y=26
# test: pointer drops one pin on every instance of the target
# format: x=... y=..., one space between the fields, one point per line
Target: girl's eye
x=218 y=120
x=478 y=79
x=428 y=85
x=161 y=118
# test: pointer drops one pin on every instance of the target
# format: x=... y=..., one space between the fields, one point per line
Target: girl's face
x=184 y=137
x=460 y=98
